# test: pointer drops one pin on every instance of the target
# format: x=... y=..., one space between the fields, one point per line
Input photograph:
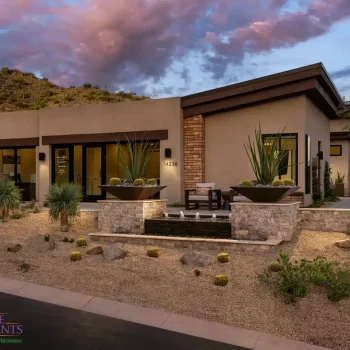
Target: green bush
x=17 y=216
x=65 y=239
x=152 y=182
x=277 y=183
x=329 y=190
x=246 y=183
x=10 y=198
x=115 y=181
x=221 y=280
x=76 y=255
x=46 y=238
x=82 y=242
x=224 y=257
x=139 y=182
x=71 y=240
x=294 y=280
x=153 y=252
x=87 y=85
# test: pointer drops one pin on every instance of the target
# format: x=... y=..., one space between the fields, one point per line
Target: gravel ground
x=166 y=284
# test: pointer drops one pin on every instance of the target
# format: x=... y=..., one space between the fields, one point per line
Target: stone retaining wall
x=324 y=219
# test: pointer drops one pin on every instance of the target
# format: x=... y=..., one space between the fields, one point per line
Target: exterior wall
x=226 y=161
x=341 y=163
x=194 y=151
x=317 y=125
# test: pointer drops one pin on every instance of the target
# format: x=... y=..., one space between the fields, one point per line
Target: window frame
x=340 y=149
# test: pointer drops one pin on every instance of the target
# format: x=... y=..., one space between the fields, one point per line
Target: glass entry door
x=93 y=172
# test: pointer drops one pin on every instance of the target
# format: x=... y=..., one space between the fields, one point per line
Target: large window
x=336 y=150
x=288 y=144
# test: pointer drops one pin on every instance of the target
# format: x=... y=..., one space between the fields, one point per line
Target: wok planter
x=130 y=193
x=265 y=194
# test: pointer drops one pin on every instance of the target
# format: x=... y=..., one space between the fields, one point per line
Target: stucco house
x=200 y=136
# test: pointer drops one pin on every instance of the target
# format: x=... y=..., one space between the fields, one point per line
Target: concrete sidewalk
x=151 y=317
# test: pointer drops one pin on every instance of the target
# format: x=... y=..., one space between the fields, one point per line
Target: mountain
x=24 y=91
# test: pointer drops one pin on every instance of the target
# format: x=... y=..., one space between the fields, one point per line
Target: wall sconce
x=42 y=156
x=168 y=153
x=320 y=155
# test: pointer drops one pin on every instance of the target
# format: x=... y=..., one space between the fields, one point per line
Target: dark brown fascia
x=105 y=137
x=340 y=135
x=21 y=142
x=240 y=91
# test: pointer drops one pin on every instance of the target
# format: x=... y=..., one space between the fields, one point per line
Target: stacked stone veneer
x=324 y=219
x=128 y=216
x=264 y=220
x=194 y=151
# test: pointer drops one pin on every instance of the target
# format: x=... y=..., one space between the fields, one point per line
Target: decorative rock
x=95 y=250
x=193 y=258
x=343 y=244
x=14 y=248
x=114 y=251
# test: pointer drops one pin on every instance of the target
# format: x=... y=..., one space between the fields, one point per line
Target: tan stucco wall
x=341 y=163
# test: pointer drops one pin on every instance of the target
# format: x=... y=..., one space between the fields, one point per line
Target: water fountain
x=197 y=216
x=166 y=215
x=213 y=217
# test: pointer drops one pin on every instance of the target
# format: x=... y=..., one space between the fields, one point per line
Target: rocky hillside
x=24 y=91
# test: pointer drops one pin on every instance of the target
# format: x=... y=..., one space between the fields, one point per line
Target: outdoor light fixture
x=42 y=156
x=320 y=155
x=168 y=153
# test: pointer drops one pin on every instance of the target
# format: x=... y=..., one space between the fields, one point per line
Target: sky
x=164 y=48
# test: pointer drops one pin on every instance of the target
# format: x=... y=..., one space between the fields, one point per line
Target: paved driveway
x=48 y=326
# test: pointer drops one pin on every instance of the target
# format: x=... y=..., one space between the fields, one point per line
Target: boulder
x=343 y=244
x=197 y=259
x=114 y=251
x=14 y=248
x=95 y=250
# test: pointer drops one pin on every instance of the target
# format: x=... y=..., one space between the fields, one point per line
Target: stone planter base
x=264 y=220
x=117 y=216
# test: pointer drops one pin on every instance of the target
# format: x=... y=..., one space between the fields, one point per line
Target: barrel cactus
x=153 y=252
x=246 y=183
x=275 y=267
x=221 y=280
x=76 y=255
x=65 y=239
x=288 y=182
x=152 y=182
x=197 y=272
x=224 y=257
x=115 y=181
x=277 y=183
x=139 y=182
x=82 y=242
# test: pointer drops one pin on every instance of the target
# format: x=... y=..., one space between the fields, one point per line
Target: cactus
x=197 y=272
x=46 y=238
x=115 y=181
x=82 y=242
x=275 y=267
x=277 y=183
x=152 y=182
x=139 y=182
x=288 y=182
x=246 y=183
x=221 y=280
x=224 y=257
x=71 y=240
x=65 y=239
x=153 y=252
x=76 y=255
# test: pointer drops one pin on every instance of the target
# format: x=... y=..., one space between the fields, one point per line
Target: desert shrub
x=22 y=105
x=10 y=198
x=72 y=86
x=277 y=183
x=197 y=272
x=45 y=79
x=37 y=208
x=71 y=240
x=17 y=216
x=64 y=200
x=139 y=182
x=246 y=183
x=329 y=189
x=153 y=252
x=87 y=85
x=115 y=181
x=152 y=182
x=76 y=255
x=224 y=257
x=68 y=98
x=65 y=239
x=40 y=104
x=275 y=267
x=294 y=280
x=106 y=98
x=317 y=197
x=82 y=242
x=24 y=267
x=46 y=238
x=6 y=71
x=32 y=204
x=97 y=87
x=54 y=99
x=288 y=182
x=46 y=204
x=221 y=280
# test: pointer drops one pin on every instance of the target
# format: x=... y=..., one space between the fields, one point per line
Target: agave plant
x=63 y=201
x=265 y=161
x=135 y=159
x=10 y=198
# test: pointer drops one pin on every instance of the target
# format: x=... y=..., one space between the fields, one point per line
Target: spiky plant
x=76 y=255
x=152 y=182
x=224 y=257
x=288 y=182
x=10 y=198
x=139 y=182
x=134 y=161
x=277 y=183
x=221 y=280
x=153 y=252
x=246 y=183
x=82 y=242
x=115 y=181
x=64 y=202
x=265 y=161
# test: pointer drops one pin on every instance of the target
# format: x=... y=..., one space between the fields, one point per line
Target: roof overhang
x=312 y=81
x=340 y=135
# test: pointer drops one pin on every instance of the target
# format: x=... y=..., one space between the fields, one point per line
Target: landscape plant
x=317 y=196
x=10 y=199
x=329 y=190
x=340 y=178
x=64 y=200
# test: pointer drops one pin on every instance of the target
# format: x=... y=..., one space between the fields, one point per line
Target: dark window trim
x=307 y=165
x=296 y=137
x=341 y=151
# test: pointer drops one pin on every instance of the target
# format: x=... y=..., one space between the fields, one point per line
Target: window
x=307 y=164
x=336 y=150
x=288 y=143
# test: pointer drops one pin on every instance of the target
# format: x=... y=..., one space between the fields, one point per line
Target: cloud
x=126 y=43
x=343 y=73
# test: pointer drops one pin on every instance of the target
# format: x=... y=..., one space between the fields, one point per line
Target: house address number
x=170 y=163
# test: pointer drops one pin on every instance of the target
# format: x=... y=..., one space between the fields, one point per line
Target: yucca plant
x=134 y=161
x=63 y=200
x=10 y=198
x=265 y=162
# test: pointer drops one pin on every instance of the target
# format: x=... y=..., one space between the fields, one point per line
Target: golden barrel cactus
x=277 y=183
x=75 y=256
x=82 y=242
x=246 y=183
x=288 y=182
x=153 y=252
x=139 y=182
x=275 y=267
x=221 y=280
x=115 y=181
x=152 y=182
x=224 y=257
